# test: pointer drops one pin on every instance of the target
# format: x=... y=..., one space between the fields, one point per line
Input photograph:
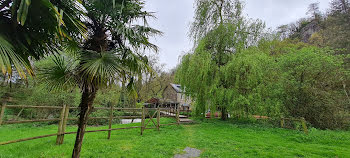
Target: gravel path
x=190 y=153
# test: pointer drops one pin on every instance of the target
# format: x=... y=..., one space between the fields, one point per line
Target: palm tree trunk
x=86 y=103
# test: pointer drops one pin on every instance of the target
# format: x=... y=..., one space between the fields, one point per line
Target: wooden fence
x=286 y=122
x=150 y=113
x=301 y=120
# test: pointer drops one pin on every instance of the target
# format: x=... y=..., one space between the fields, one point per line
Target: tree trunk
x=86 y=103
x=223 y=113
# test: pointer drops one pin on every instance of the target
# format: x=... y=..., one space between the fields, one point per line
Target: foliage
x=196 y=85
x=244 y=84
x=336 y=32
x=273 y=79
x=57 y=98
x=219 y=30
x=108 y=97
x=313 y=81
x=247 y=76
x=250 y=84
x=152 y=84
x=223 y=17
x=34 y=28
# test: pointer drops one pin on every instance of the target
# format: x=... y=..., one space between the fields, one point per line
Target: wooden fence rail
x=64 y=117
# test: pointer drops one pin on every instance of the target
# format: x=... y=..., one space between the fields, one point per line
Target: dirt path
x=190 y=151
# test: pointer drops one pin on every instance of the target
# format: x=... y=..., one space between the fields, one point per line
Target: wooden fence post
x=303 y=123
x=282 y=122
x=143 y=120
x=110 y=122
x=3 y=107
x=58 y=139
x=64 y=125
x=177 y=115
x=158 y=118
x=188 y=112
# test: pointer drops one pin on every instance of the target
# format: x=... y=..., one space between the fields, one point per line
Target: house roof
x=176 y=87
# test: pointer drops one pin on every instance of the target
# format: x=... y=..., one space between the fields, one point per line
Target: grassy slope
x=215 y=138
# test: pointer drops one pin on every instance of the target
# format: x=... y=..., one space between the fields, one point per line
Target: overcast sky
x=175 y=16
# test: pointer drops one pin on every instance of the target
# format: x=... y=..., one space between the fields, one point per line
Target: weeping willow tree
x=219 y=30
x=252 y=84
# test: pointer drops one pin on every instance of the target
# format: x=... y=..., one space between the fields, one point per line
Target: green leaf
x=9 y=57
x=22 y=12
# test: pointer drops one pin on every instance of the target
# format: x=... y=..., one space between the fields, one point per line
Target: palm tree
x=34 y=28
x=111 y=51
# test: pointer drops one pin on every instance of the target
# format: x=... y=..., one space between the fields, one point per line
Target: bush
x=313 y=81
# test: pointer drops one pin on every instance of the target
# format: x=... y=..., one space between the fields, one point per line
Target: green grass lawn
x=213 y=137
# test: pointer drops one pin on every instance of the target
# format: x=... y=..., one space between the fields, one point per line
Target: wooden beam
x=282 y=122
x=143 y=120
x=42 y=107
x=66 y=115
x=303 y=123
x=158 y=118
x=177 y=114
x=168 y=124
x=25 y=139
x=60 y=123
x=29 y=121
x=110 y=122
x=49 y=135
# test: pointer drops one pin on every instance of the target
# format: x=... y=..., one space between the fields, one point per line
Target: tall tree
x=220 y=29
x=110 y=52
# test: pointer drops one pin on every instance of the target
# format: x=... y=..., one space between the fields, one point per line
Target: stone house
x=175 y=93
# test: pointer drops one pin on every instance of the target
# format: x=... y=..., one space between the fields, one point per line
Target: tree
x=220 y=30
x=336 y=33
x=314 y=11
x=110 y=52
x=250 y=78
x=153 y=84
x=34 y=29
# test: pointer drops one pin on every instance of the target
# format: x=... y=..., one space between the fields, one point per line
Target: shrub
x=313 y=81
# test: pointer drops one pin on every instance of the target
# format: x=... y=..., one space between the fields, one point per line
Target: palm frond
x=100 y=68
x=38 y=28
x=9 y=58
x=59 y=75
